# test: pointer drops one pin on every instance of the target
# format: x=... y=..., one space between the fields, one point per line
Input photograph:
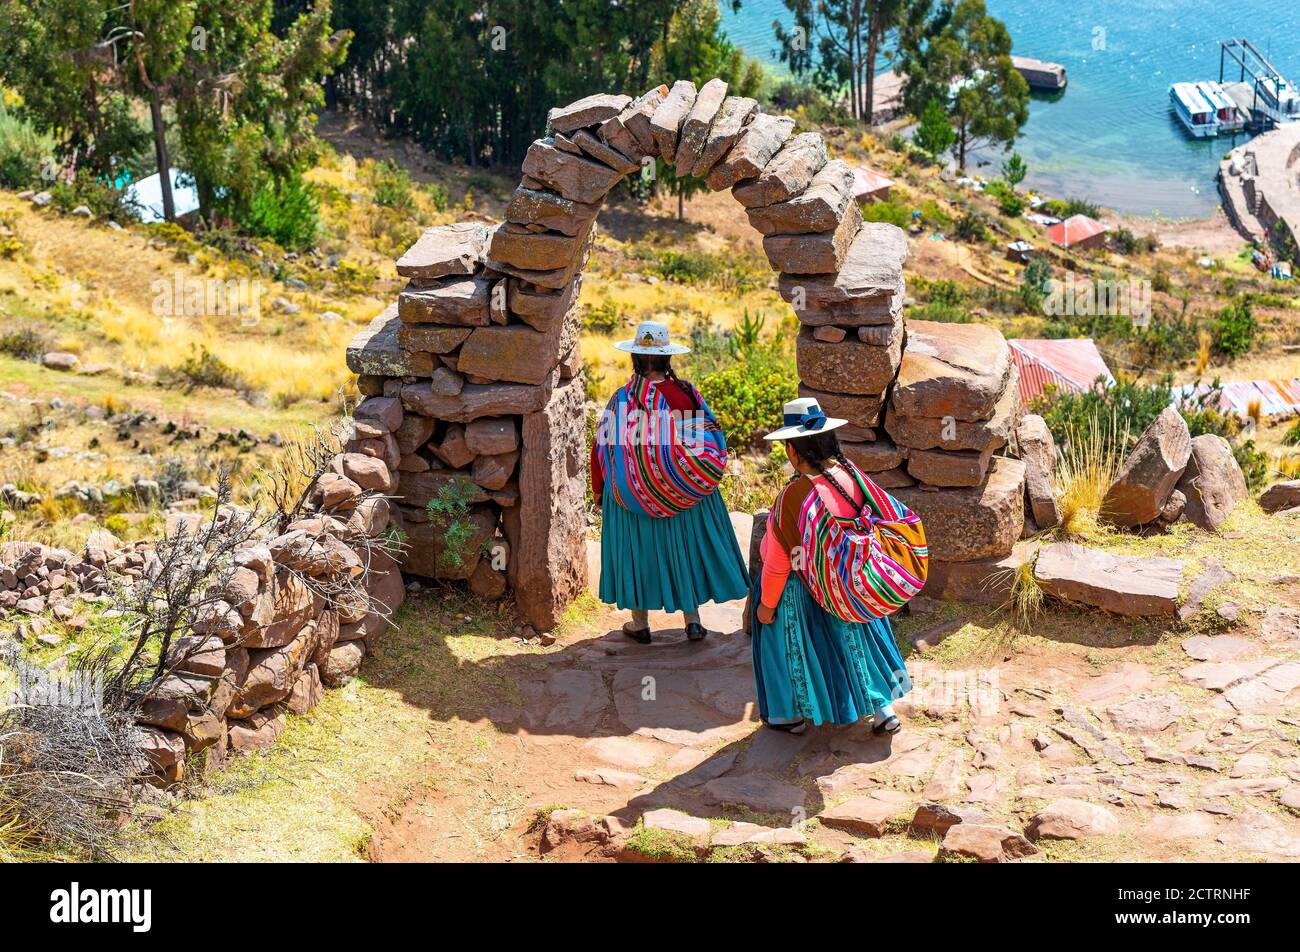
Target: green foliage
x=392 y=186
x=966 y=65
x=1292 y=436
x=934 y=133
x=438 y=196
x=1034 y=283
x=1130 y=407
x=1071 y=206
x=748 y=394
x=449 y=510
x=604 y=317
x=202 y=368
x=23 y=151
x=24 y=341
x=1127 y=406
x=890 y=212
x=1235 y=328
x=1014 y=169
x=286 y=212
x=1009 y=203
x=104 y=201
x=971 y=228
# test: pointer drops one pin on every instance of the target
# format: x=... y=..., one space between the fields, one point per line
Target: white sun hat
x=652 y=338
x=804 y=417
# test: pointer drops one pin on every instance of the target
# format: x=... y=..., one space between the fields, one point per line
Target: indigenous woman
x=658 y=457
x=839 y=556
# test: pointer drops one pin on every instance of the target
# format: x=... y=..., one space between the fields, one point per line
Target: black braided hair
x=817 y=449
x=645 y=364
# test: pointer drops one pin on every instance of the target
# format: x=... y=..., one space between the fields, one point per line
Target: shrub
x=971 y=227
x=438 y=196
x=748 y=395
x=890 y=212
x=24 y=341
x=103 y=200
x=1034 y=283
x=603 y=318
x=392 y=186
x=1292 y=435
x=1009 y=203
x=287 y=212
x=1234 y=330
x=23 y=151
x=202 y=368
x=1071 y=206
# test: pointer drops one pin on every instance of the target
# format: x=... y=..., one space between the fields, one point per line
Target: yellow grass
x=1085 y=470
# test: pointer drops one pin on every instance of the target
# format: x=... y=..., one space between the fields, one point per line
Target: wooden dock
x=1040 y=74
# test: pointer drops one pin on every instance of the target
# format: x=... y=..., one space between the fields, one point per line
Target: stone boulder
x=666 y=121
x=754 y=148
x=588 y=111
x=1123 y=584
x=984 y=844
x=1070 y=819
x=1213 y=483
x=867 y=289
x=789 y=172
x=1150 y=472
x=1281 y=496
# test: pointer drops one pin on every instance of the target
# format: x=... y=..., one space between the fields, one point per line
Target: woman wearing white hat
x=659 y=455
x=839 y=556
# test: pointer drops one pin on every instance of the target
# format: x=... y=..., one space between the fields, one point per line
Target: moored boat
x=1226 y=113
x=1194 y=111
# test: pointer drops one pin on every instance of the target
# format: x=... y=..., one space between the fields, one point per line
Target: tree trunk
x=160 y=151
x=681 y=206
x=869 y=85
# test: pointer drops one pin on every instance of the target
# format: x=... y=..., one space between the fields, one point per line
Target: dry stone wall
x=474 y=369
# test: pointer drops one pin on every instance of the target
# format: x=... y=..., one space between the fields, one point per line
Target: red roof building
x=870 y=186
x=1071 y=365
x=1077 y=231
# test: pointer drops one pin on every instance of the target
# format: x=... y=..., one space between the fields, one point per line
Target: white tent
x=146 y=195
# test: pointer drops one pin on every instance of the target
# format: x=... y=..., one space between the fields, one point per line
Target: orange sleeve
x=776 y=569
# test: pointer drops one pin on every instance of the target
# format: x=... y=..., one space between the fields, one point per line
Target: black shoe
x=798 y=727
x=889 y=725
x=640 y=635
x=695 y=631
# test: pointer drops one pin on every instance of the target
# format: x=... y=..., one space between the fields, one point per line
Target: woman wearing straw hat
x=658 y=457
x=839 y=556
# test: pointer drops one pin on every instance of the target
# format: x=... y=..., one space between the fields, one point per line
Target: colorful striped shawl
x=656 y=464
x=863 y=567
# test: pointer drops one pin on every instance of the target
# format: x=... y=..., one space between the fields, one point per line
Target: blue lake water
x=1111 y=138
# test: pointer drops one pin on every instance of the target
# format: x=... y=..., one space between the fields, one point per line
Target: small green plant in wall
x=449 y=509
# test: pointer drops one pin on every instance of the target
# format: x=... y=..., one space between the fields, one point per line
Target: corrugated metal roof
x=1074 y=229
x=1276 y=397
x=867 y=182
x=1072 y=365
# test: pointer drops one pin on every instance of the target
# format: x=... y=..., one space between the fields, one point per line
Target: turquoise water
x=1111 y=138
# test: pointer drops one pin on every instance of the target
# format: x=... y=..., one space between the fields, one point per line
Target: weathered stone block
x=461 y=301
x=956 y=370
x=972 y=523
x=821 y=253
x=847 y=367
x=547 y=530
x=376 y=351
x=868 y=289
x=455 y=249
x=788 y=174
x=754 y=148
x=694 y=132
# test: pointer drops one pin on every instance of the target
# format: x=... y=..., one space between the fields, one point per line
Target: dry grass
x=1086 y=468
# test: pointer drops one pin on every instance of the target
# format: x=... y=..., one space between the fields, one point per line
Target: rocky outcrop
x=1281 y=496
x=1125 y=585
x=1212 y=484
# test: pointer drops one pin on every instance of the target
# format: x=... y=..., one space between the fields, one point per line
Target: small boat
x=1226 y=112
x=1196 y=113
x=1278 y=99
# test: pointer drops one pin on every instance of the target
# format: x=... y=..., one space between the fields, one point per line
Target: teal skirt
x=810 y=664
x=674 y=564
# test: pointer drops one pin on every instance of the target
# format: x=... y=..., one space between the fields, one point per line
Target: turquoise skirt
x=674 y=564
x=810 y=664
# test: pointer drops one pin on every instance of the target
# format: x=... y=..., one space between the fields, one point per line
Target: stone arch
x=477 y=363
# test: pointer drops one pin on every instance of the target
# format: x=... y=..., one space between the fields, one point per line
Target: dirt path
x=1183 y=748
